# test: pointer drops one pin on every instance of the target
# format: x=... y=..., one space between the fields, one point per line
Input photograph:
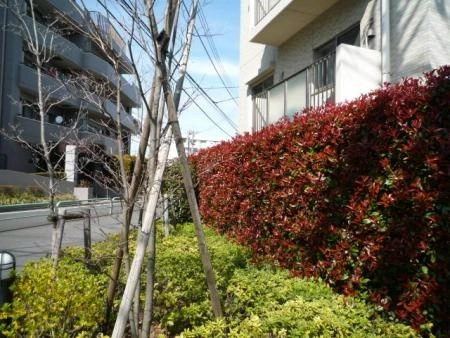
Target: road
x=27 y=234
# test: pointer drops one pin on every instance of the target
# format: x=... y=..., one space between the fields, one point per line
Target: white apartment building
x=305 y=53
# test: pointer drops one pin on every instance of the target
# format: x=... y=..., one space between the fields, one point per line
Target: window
x=350 y=37
x=321 y=74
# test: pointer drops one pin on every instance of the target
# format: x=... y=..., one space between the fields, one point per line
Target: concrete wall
x=420 y=36
x=297 y=52
x=255 y=61
x=358 y=71
x=15 y=178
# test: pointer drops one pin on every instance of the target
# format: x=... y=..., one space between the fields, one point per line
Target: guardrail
x=60 y=204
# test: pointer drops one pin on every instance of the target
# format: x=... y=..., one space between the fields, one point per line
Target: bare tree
x=161 y=41
x=40 y=46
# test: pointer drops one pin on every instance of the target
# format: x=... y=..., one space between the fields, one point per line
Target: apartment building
x=74 y=56
x=301 y=53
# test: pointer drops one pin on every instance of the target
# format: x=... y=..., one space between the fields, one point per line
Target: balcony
x=89 y=133
x=340 y=76
x=104 y=70
x=57 y=91
x=67 y=52
x=276 y=21
x=30 y=129
x=66 y=7
x=112 y=37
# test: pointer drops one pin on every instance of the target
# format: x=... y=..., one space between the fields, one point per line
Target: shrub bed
x=45 y=304
x=257 y=301
x=357 y=194
x=19 y=195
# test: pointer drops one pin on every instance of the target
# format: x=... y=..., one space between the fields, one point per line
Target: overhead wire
x=129 y=9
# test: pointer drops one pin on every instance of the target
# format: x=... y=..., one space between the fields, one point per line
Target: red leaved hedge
x=358 y=194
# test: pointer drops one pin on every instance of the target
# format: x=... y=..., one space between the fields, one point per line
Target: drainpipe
x=385 y=42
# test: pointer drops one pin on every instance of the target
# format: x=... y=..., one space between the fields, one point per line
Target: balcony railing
x=321 y=81
x=108 y=30
x=311 y=87
x=260 y=110
x=262 y=7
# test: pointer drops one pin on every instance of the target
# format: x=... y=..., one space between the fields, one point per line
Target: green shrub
x=268 y=303
x=257 y=301
x=173 y=187
x=21 y=195
x=181 y=295
x=66 y=304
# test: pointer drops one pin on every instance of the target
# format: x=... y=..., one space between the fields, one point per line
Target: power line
x=130 y=9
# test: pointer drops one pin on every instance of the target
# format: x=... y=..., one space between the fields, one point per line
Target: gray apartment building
x=306 y=53
x=74 y=56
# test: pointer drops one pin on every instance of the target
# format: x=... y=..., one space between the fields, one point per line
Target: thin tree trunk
x=142 y=241
x=87 y=235
x=148 y=308
x=187 y=178
x=115 y=272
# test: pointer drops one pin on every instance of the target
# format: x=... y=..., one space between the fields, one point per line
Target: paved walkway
x=28 y=243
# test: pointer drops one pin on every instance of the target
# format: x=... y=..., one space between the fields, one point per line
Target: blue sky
x=222 y=19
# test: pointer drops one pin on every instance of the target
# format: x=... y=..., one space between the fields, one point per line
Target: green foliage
x=258 y=301
x=268 y=303
x=19 y=195
x=67 y=303
x=356 y=194
x=173 y=186
x=128 y=162
x=181 y=295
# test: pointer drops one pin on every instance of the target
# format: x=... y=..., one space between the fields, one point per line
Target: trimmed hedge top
x=358 y=194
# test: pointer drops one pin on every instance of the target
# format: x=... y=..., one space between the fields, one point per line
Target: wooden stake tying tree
x=161 y=41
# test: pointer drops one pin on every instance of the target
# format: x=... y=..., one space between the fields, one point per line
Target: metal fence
x=321 y=81
x=260 y=110
x=313 y=87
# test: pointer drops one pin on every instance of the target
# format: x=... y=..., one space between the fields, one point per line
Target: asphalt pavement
x=27 y=234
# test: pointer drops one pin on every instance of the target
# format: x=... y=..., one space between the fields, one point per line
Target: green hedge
x=268 y=303
x=357 y=194
x=19 y=195
x=258 y=301
x=65 y=304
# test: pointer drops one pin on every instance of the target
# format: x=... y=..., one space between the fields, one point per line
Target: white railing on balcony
x=262 y=7
x=311 y=87
x=321 y=81
x=260 y=110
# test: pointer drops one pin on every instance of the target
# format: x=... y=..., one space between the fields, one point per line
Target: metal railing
x=318 y=88
x=262 y=8
x=105 y=26
x=260 y=110
x=110 y=202
x=322 y=81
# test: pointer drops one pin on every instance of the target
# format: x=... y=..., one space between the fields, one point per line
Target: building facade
x=79 y=116
x=299 y=53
